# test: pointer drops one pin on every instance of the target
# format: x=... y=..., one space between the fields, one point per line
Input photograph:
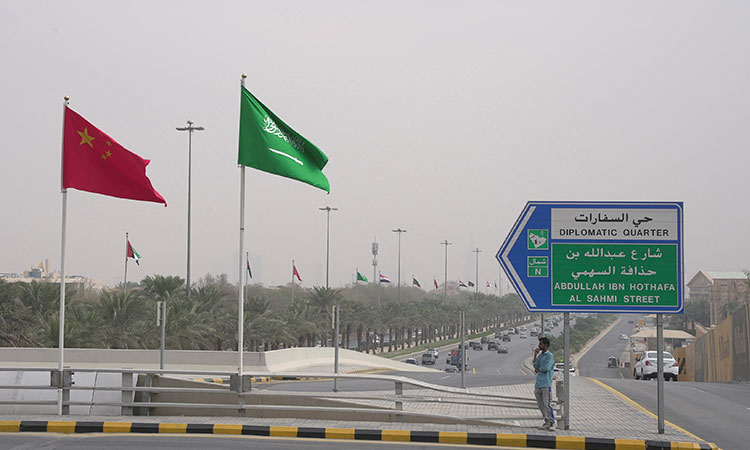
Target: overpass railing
x=139 y=387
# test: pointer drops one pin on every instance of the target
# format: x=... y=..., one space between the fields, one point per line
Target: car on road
x=451 y=369
x=560 y=367
x=623 y=337
x=522 y=335
x=502 y=349
x=646 y=367
x=411 y=361
x=492 y=345
x=484 y=339
x=506 y=338
x=434 y=352
x=476 y=345
x=612 y=361
x=428 y=358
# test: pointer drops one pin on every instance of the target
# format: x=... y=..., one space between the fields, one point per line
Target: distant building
x=719 y=288
x=41 y=273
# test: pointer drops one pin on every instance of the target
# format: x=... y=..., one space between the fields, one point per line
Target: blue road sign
x=597 y=257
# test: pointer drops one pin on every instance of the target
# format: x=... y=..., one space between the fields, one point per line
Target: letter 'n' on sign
x=538 y=266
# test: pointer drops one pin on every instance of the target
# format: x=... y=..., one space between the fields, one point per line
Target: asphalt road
x=594 y=362
x=486 y=368
x=715 y=412
x=177 y=442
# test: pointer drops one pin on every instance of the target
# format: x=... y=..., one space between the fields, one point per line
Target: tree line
x=205 y=318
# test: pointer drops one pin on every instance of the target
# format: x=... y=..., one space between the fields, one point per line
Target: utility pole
x=398 y=287
x=190 y=128
x=445 y=285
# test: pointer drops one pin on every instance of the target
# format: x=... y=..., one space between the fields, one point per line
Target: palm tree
x=122 y=318
x=15 y=318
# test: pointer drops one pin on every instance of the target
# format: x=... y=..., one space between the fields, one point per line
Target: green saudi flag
x=361 y=277
x=270 y=145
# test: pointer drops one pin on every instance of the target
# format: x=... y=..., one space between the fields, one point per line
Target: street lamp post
x=328 y=210
x=476 y=285
x=190 y=128
x=445 y=285
x=398 y=286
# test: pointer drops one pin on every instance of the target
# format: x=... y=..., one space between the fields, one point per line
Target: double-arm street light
x=398 y=286
x=445 y=286
x=476 y=286
x=190 y=128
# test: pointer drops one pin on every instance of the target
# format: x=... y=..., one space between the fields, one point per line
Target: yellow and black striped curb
x=444 y=437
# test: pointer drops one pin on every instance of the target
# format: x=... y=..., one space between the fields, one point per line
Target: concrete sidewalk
x=595 y=413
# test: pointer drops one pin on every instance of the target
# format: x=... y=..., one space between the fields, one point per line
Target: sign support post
x=566 y=369
x=660 y=370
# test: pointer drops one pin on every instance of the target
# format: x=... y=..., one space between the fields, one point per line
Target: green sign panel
x=538 y=266
x=538 y=240
x=636 y=275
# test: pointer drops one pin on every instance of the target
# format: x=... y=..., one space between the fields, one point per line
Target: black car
x=492 y=345
x=506 y=338
x=476 y=345
x=612 y=361
x=502 y=349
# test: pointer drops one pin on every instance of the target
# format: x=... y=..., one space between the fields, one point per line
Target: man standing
x=544 y=366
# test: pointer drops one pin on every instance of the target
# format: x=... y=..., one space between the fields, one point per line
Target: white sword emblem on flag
x=288 y=156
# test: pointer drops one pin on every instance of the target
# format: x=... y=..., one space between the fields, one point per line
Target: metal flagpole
x=293 y=282
x=241 y=300
x=127 y=243
x=61 y=336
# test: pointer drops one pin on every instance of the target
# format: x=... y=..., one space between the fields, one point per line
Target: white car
x=646 y=367
x=560 y=367
x=623 y=337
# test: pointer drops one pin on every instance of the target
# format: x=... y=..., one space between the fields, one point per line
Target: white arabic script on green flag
x=270 y=145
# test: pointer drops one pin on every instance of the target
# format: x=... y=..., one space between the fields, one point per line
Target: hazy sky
x=442 y=118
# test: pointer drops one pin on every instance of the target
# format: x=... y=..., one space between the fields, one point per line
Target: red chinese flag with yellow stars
x=94 y=162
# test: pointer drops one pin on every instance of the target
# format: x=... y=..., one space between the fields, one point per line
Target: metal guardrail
x=242 y=387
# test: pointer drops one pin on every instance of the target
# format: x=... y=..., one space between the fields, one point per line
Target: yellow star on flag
x=85 y=138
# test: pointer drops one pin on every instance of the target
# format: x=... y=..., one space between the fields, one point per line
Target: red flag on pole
x=94 y=162
x=434 y=280
x=295 y=273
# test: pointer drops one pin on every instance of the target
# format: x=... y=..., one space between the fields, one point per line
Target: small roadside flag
x=361 y=277
x=133 y=254
x=249 y=272
x=434 y=280
x=384 y=279
x=295 y=273
x=415 y=282
x=471 y=284
x=461 y=283
x=488 y=284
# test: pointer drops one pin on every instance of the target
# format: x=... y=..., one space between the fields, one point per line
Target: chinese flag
x=94 y=162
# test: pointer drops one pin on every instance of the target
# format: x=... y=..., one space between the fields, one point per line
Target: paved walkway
x=595 y=412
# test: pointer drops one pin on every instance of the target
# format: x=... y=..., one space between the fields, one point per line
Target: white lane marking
x=447 y=376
